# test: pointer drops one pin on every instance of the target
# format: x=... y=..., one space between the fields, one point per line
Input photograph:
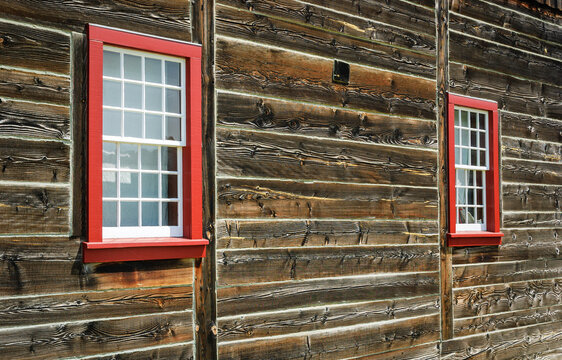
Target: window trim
x=492 y=235
x=97 y=249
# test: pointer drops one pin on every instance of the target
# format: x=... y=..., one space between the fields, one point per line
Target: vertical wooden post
x=203 y=32
x=446 y=266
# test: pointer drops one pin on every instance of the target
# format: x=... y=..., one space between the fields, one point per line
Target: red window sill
x=476 y=238
x=111 y=250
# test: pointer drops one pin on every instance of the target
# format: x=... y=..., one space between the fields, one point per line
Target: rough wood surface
x=241 y=198
x=532 y=172
x=39 y=247
x=294 y=294
x=34 y=86
x=421 y=352
x=514 y=220
x=183 y=351
x=159 y=17
x=34 y=120
x=258 y=154
x=529 y=127
x=46 y=161
x=531 y=150
x=240 y=234
x=532 y=198
x=368 y=89
x=252 y=112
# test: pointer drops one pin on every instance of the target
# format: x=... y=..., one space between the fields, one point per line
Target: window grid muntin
x=140 y=230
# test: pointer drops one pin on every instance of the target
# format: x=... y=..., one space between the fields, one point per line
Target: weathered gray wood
x=288 y=199
x=290 y=348
x=258 y=154
x=421 y=352
x=47 y=161
x=368 y=89
x=237 y=300
x=33 y=48
x=34 y=120
x=532 y=172
x=158 y=17
x=252 y=266
x=328 y=317
x=39 y=247
x=514 y=220
x=179 y=352
x=34 y=86
x=532 y=198
x=531 y=150
x=234 y=234
x=533 y=128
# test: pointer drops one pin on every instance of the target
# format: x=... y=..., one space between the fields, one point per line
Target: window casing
x=474 y=217
x=144 y=148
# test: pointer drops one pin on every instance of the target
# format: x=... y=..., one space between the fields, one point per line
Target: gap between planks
x=504 y=283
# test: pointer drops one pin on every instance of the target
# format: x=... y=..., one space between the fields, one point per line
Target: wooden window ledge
x=474 y=238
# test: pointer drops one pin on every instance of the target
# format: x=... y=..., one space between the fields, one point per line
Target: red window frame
x=97 y=249
x=492 y=235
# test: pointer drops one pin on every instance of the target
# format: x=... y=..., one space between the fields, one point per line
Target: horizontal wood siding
x=51 y=304
x=506 y=299
x=327 y=243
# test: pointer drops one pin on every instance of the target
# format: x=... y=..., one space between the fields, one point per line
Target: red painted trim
x=103 y=250
x=493 y=235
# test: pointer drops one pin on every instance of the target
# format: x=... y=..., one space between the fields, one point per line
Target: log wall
x=51 y=304
x=506 y=299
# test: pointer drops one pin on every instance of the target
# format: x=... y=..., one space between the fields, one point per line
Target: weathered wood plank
x=251 y=266
x=252 y=112
x=93 y=305
x=294 y=294
x=33 y=48
x=532 y=198
x=39 y=247
x=531 y=150
x=34 y=86
x=97 y=336
x=290 y=348
x=493 y=273
x=372 y=338
x=47 y=161
x=532 y=172
x=533 y=128
x=535 y=9
x=273 y=31
x=324 y=318
x=506 y=297
x=158 y=17
x=35 y=120
x=368 y=89
x=258 y=154
x=33 y=210
x=507 y=320
x=234 y=234
x=184 y=351
x=245 y=198
x=473 y=51
x=524 y=219
x=421 y=352
x=22 y=277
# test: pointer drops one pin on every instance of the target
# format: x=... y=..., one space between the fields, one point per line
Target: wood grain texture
x=240 y=234
x=421 y=352
x=92 y=305
x=258 y=154
x=39 y=247
x=33 y=48
x=46 y=161
x=514 y=220
x=34 y=120
x=33 y=210
x=158 y=17
x=97 y=336
x=34 y=86
x=179 y=352
x=252 y=326
x=368 y=89
x=238 y=198
x=294 y=294
x=531 y=150
x=533 y=128
x=272 y=31
x=531 y=172
x=252 y=112
x=251 y=266
x=532 y=198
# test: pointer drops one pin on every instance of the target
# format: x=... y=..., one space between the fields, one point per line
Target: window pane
x=150 y=213
x=153 y=70
x=149 y=157
x=133 y=96
x=464 y=118
x=150 y=185
x=483 y=140
x=461 y=196
x=111 y=64
x=109 y=155
x=470 y=194
x=129 y=213
x=479 y=197
x=173 y=128
x=169 y=213
x=457 y=118
x=129 y=156
x=457 y=155
x=471 y=216
x=153 y=127
x=482 y=121
x=133 y=124
x=169 y=158
x=464 y=157
x=480 y=215
x=129 y=184
x=461 y=181
x=482 y=158
x=474 y=157
x=470 y=177
x=473 y=139
x=473 y=120
x=111 y=93
x=109 y=184
x=465 y=137
x=111 y=122
x=109 y=213
x=462 y=215
x=173 y=103
x=170 y=186
x=132 y=66
x=172 y=73
x=153 y=98
x=479 y=178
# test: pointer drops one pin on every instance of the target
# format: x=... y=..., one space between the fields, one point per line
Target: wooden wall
x=507 y=301
x=51 y=304
x=327 y=241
